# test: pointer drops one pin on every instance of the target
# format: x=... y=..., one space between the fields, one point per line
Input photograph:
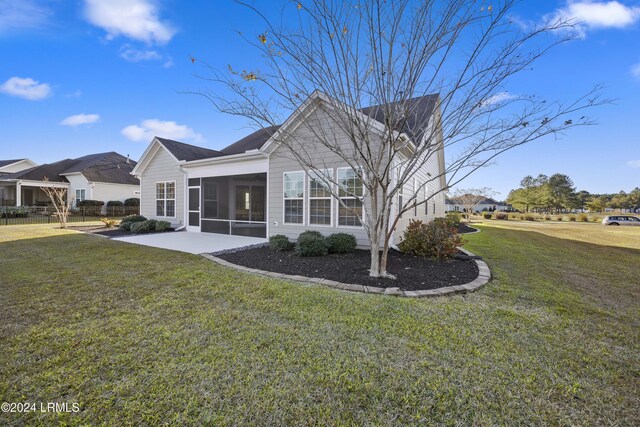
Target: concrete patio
x=192 y=242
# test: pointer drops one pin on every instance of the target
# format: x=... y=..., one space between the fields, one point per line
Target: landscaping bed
x=412 y=272
x=463 y=229
x=107 y=232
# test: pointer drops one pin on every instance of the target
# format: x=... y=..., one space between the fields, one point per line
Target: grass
x=143 y=336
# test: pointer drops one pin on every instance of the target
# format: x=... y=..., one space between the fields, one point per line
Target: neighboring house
x=11 y=166
x=254 y=187
x=484 y=204
x=103 y=176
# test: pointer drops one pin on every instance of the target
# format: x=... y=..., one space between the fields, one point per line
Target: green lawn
x=139 y=336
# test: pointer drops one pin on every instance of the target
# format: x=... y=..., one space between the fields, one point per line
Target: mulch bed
x=462 y=229
x=108 y=232
x=412 y=272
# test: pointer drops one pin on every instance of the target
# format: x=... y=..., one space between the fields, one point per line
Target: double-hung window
x=350 y=191
x=293 y=197
x=320 y=197
x=80 y=195
x=426 y=197
x=416 y=185
x=166 y=199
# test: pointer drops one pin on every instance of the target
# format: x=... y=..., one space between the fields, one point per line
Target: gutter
x=226 y=159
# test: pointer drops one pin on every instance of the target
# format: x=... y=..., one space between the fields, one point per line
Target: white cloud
x=76 y=94
x=635 y=70
x=26 y=88
x=80 y=119
x=135 y=19
x=135 y=55
x=146 y=130
x=22 y=14
x=588 y=14
x=168 y=63
x=498 y=98
x=634 y=163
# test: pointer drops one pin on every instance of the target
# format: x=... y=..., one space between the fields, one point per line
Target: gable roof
x=419 y=111
x=187 y=152
x=109 y=167
x=9 y=162
x=418 y=114
x=251 y=142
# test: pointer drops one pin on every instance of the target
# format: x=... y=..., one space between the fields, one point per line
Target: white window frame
x=175 y=194
x=84 y=195
x=317 y=172
x=303 y=198
x=337 y=214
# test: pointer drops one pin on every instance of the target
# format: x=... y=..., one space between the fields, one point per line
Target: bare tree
x=389 y=54
x=470 y=198
x=62 y=205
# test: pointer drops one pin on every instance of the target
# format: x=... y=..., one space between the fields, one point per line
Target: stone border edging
x=484 y=275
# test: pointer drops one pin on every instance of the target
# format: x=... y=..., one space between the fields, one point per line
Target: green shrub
x=311 y=243
x=341 y=243
x=572 y=218
x=486 y=215
x=85 y=203
x=559 y=218
x=126 y=222
x=501 y=215
x=163 y=225
x=309 y=233
x=514 y=216
x=280 y=242
x=547 y=217
x=134 y=201
x=115 y=203
x=143 y=227
x=433 y=240
x=134 y=218
x=453 y=219
x=583 y=218
x=529 y=217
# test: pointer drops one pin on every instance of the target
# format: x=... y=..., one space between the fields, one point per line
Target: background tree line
x=556 y=193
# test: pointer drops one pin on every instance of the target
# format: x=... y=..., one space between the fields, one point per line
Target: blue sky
x=80 y=77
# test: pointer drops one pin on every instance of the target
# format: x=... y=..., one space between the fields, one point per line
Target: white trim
x=266 y=205
x=32 y=163
x=313 y=101
x=304 y=194
x=30 y=183
x=146 y=157
x=247 y=155
x=175 y=206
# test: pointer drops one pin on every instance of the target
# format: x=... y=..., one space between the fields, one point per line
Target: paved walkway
x=191 y=242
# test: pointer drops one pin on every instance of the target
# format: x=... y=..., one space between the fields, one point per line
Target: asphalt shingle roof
x=251 y=142
x=418 y=112
x=187 y=152
x=108 y=167
x=9 y=162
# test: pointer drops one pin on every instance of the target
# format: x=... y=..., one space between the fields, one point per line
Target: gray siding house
x=255 y=187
